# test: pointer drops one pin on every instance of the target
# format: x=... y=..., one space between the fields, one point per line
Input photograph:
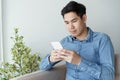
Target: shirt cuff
x=91 y=68
x=46 y=64
x=48 y=61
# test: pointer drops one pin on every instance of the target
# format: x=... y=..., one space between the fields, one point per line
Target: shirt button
x=83 y=69
x=92 y=72
x=97 y=74
x=89 y=64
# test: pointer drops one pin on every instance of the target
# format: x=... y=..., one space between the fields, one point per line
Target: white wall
x=40 y=22
x=1 y=45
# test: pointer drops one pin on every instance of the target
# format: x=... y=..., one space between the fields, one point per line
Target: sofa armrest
x=117 y=66
x=57 y=73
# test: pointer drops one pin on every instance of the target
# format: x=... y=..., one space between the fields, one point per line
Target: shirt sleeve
x=104 y=70
x=45 y=64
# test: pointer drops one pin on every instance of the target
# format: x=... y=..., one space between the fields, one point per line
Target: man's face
x=75 y=25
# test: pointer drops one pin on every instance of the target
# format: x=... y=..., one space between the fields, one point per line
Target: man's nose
x=71 y=25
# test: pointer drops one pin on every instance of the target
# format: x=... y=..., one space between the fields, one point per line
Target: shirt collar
x=88 y=39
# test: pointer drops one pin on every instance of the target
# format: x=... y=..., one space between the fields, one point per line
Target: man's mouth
x=73 y=31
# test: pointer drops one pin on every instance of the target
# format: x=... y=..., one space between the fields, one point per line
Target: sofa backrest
x=117 y=66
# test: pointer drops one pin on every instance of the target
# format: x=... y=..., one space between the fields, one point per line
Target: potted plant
x=23 y=60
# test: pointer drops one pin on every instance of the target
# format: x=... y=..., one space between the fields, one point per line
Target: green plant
x=23 y=60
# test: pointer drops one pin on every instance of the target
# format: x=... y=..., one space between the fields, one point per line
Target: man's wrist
x=49 y=58
x=79 y=61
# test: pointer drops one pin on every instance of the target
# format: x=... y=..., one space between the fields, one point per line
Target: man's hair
x=73 y=6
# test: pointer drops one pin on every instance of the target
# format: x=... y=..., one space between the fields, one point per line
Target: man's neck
x=83 y=36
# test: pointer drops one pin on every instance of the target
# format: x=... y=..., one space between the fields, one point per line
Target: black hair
x=73 y=6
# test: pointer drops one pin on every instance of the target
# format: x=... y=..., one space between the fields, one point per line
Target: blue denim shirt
x=97 y=57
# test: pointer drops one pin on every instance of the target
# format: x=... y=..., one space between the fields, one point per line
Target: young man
x=89 y=55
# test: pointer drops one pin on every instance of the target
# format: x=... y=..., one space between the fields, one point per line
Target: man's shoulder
x=100 y=35
x=67 y=38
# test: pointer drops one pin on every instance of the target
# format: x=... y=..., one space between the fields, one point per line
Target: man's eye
x=74 y=20
x=66 y=23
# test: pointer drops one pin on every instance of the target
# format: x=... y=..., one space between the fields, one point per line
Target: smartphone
x=56 y=45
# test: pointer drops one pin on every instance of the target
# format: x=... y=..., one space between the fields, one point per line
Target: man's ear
x=84 y=18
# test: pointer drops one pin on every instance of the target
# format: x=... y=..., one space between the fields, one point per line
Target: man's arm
x=50 y=60
x=104 y=70
x=106 y=53
x=45 y=64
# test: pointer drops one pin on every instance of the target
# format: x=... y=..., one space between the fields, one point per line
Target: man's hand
x=70 y=56
x=67 y=55
x=55 y=56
